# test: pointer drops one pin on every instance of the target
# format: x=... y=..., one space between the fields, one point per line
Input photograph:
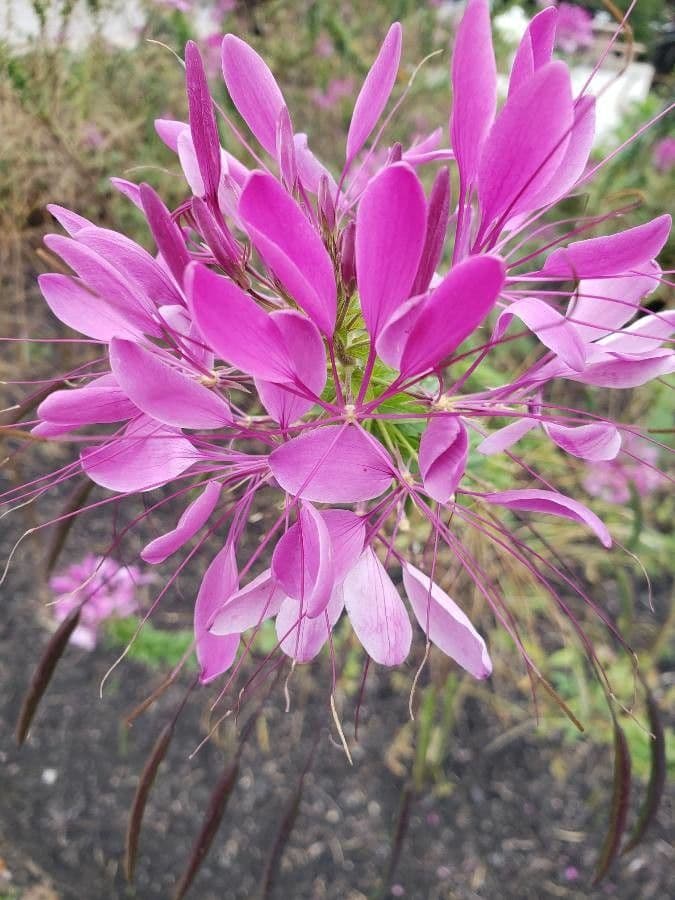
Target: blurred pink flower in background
x=104 y=587
x=575 y=28
x=663 y=154
x=183 y=6
x=337 y=89
x=324 y=46
x=610 y=480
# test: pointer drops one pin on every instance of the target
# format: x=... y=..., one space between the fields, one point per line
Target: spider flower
x=333 y=340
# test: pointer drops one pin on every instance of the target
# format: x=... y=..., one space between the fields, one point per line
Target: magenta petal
x=375 y=91
x=250 y=606
x=333 y=464
x=163 y=392
x=302 y=638
x=443 y=453
x=437 y=226
x=394 y=335
x=146 y=455
x=376 y=611
x=192 y=519
x=445 y=624
x=535 y=49
x=83 y=311
x=168 y=131
x=253 y=90
x=237 y=329
x=597 y=441
x=102 y=400
x=305 y=347
x=452 y=312
x=553 y=330
x=167 y=234
x=550 y=503
x=203 y=125
x=69 y=220
x=474 y=88
x=129 y=190
x=506 y=437
x=390 y=234
x=215 y=653
x=615 y=254
x=626 y=373
x=291 y=247
x=602 y=305
x=302 y=562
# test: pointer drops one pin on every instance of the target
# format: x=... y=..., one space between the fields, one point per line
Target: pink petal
x=347 y=533
x=605 y=304
x=100 y=401
x=390 y=233
x=375 y=92
x=163 y=392
x=452 y=312
x=535 y=49
x=168 y=131
x=253 y=90
x=615 y=254
x=643 y=337
x=444 y=449
x=191 y=521
x=129 y=190
x=310 y=170
x=437 y=226
x=291 y=247
x=445 y=624
x=376 y=611
x=550 y=503
x=215 y=653
x=474 y=88
x=83 y=311
x=189 y=163
x=626 y=373
x=250 y=606
x=302 y=562
x=167 y=234
x=597 y=441
x=237 y=329
x=68 y=219
x=302 y=638
x=553 y=330
x=333 y=464
x=146 y=455
x=288 y=165
x=203 y=125
x=506 y=437
x=306 y=349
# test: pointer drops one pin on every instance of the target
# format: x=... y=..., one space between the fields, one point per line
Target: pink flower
x=575 y=28
x=635 y=467
x=663 y=154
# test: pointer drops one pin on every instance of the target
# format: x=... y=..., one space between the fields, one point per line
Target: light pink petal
x=550 y=503
x=535 y=49
x=333 y=464
x=444 y=449
x=310 y=170
x=437 y=226
x=290 y=246
x=129 y=190
x=237 y=329
x=597 y=441
x=375 y=92
x=390 y=234
x=193 y=518
x=474 y=89
x=100 y=401
x=168 y=131
x=553 y=330
x=68 y=219
x=250 y=606
x=253 y=90
x=394 y=336
x=144 y=456
x=626 y=373
x=604 y=304
x=445 y=624
x=506 y=437
x=189 y=164
x=215 y=653
x=83 y=311
x=526 y=145
x=347 y=532
x=163 y=392
x=376 y=611
x=305 y=348
x=615 y=254
x=302 y=562
x=452 y=312
x=203 y=125
x=288 y=165
x=302 y=638
x=643 y=337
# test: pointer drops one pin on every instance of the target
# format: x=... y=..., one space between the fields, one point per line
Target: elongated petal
x=168 y=131
x=305 y=347
x=506 y=437
x=550 y=503
x=193 y=518
x=616 y=254
x=237 y=329
x=375 y=92
x=390 y=234
x=376 y=611
x=535 y=48
x=190 y=164
x=302 y=638
x=291 y=247
x=615 y=372
x=596 y=441
x=310 y=170
x=437 y=226
x=334 y=464
x=526 y=144
x=129 y=190
x=146 y=455
x=347 y=532
x=166 y=233
x=202 y=120
x=602 y=305
x=474 y=88
x=83 y=311
x=100 y=401
x=643 y=337
x=302 y=562
x=553 y=330
x=163 y=392
x=445 y=624
x=69 y=220
x=452 y=312
x=443 y=453
x=215 y=653
x=253 y=90
x=250 y=606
